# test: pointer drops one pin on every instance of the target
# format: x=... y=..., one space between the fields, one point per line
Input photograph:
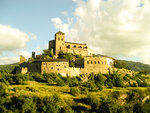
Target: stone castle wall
x=34 y=67
x=59 y=44
x=95 y=65
x=73 y=71
x=54 y=67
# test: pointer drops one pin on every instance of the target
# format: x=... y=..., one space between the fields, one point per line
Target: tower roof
x=60 y=32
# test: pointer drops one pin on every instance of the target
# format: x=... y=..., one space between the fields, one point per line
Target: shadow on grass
x=82 y=100
x=79 y=109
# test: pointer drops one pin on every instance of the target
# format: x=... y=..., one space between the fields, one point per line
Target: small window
x=62 y=39
x=64 y=66
x=91 y=62
x=60 y=48
x=58 y=69
x=95 y=62
x=74 y=46
x=87 y=62
x=51 y=67
x=68 y=46
x=58 y=38
x=98 y=62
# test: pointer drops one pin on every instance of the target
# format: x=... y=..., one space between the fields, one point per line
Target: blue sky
x=34 y=16
x=119 y=29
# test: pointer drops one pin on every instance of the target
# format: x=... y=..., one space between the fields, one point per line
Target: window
x=95 y=62
x=60 y=48
x=58 y=38
x=51 y=67
x=98 y=62
x=64 y=66
x=74 y=46
x=87 y=62
x=102 y=62
x=68 y=46
x=62 y=39
x=58 y=69
x=91 y=62
x=79 y=46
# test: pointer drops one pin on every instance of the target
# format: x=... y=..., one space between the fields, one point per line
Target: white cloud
x=114 y=27
x=38 y=50
x=12 y=39
x=33 y=36
x=24 y=53
x=60 y=25
x=8 y=60
x=46 y=46
x=65 y=13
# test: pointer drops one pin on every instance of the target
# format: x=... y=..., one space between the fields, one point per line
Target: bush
x=84 y=91
x=109 y=84
x=74 y=91
x=94 y=101
x=92 y=86
x=115 y=94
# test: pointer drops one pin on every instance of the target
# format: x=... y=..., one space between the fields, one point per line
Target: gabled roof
x=59 y=32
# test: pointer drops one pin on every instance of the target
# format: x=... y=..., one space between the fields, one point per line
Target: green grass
x=32 y=88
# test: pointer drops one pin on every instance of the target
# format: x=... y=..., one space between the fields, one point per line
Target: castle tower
x=33 y=54
x=59 y=42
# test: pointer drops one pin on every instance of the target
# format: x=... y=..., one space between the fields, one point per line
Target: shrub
x=94 y=101
x=84 y=91
x=60 y=82
x=99 y=86
x=91 y=85
x=109 y=84
x=115 y=94
x=74 y=91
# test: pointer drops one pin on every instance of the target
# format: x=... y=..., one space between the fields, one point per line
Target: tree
x=47 y=52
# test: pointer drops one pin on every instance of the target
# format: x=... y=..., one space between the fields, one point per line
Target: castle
x=59 y=44
x=88 y=64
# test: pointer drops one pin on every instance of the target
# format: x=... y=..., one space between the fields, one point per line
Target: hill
x=8 y=68
x=136 y=66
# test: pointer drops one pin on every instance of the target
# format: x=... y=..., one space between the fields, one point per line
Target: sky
x=116 y=28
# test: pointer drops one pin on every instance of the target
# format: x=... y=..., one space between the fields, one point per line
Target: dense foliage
x=70 y=57
x=136 y=100
x=8 y=68
x=136 y=66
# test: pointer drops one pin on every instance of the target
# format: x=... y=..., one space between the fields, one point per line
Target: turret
x=59 y=42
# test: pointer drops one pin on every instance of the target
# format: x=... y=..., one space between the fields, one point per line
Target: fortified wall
x=86 y=65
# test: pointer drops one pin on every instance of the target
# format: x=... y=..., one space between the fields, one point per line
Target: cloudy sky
x=117 y=28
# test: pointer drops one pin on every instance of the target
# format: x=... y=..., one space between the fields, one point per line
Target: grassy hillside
x=136 y=66
x=8 y=68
